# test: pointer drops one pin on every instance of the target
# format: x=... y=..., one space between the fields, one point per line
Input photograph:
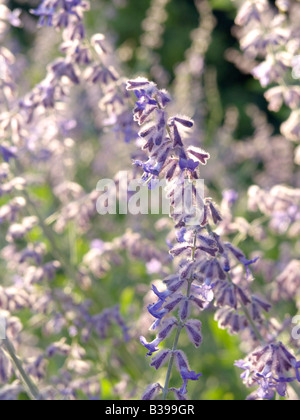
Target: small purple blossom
x=152 y=347
x=241 y=257
x=188 y=164
x=7 y=153
x=151 y=392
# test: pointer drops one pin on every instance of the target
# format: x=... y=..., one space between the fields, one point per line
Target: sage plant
x=72 y=280
x=206 y=271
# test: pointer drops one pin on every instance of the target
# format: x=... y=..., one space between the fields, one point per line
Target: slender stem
x=194 y=250
x=171 y=362
x=32 y=390
x=209 y=229
x=180 y=327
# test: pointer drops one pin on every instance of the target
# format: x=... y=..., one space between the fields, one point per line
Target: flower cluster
x=270 y=367
x=272 y=34
x=288 y=282
x=34 y=134
x=281 y=205
x=188 y=84
x=162 y=138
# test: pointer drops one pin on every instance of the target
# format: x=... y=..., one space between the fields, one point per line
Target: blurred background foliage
x=122 y=19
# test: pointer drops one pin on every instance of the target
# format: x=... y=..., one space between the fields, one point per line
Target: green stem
x=171 y=362
x=180 y=327
x=32 y=390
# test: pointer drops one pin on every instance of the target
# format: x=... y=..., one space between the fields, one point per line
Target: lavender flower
x=269 y=33
x=240 y=310
x=7 y=153
x=269 y=368
x=151 y=110
x=151 y=392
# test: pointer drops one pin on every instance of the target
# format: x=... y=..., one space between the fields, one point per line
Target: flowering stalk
x=163 y=139
x=180 y=327
x=207 y=272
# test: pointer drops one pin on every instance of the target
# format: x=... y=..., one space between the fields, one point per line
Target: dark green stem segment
x=168 y=377
x=31 y=388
